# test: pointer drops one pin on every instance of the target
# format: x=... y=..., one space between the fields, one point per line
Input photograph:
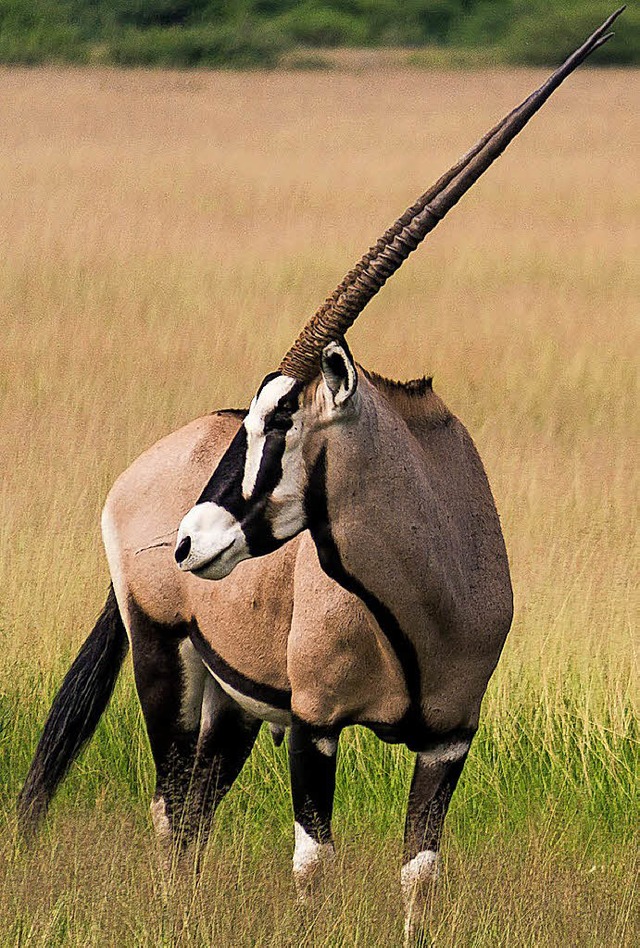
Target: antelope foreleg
x=312 y=763
x=435 y=776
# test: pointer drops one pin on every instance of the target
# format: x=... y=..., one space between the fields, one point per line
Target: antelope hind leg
x=435 y=776
x=169 y=681
x=199 y=737
x=227 y=736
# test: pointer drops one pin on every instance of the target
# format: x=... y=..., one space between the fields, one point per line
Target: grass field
x=163 y=237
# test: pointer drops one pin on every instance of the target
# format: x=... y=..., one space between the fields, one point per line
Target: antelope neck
x=372 y=517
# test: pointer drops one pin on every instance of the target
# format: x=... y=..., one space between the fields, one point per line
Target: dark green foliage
x=193 y=46
x=541 y=40
x=310 y=24
x=251 y=33
x=150 y=13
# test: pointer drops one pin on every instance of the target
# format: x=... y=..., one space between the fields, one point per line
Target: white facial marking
x=446 y=753
x=289 y=516
x=309 y=856
x=326 y=745
x=259 y=709
x=254 y=424
x=217 y=543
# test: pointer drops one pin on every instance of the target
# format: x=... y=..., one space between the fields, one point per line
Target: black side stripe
x=329 y=556
x=276 y=697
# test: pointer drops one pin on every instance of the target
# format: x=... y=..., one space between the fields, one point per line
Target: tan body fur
x=280 y=621
x=248 y=618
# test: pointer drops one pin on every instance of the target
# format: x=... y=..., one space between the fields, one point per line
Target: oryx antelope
x=385 y=600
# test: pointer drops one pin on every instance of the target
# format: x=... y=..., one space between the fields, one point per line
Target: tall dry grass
x=163 y=237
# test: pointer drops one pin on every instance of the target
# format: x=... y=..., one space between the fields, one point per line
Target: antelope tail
x=74 y=715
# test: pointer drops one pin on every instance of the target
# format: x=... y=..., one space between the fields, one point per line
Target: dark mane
x=414 y=388
x=415 y=399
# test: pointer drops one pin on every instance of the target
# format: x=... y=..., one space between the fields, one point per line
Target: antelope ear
x=339 y=372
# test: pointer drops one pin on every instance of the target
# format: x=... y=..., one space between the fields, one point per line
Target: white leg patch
x=160 y=820
x=416 y=878
x=309 y=857
x=446 y=753
x=327 y=746
x=423 y=868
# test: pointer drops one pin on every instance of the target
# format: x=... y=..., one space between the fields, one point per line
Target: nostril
x=182 y=549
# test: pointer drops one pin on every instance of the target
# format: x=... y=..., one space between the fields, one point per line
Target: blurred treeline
x=265 y=33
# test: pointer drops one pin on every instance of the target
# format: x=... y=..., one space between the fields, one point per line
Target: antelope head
x=257 y=498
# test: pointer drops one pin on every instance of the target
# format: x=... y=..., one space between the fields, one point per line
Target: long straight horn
x=340 y=310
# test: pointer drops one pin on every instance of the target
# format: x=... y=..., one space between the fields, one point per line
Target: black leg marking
x=432 y=787
x=159 y=682
x=196 y=760
x=223 y=748
x=434 y=780
x=313 y=778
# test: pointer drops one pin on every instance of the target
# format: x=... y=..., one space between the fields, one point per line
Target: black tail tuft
x=74 y=714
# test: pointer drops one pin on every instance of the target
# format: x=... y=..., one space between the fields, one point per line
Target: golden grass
x=480 y=908
x=164 y=235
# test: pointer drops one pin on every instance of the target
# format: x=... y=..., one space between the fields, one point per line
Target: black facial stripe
x=256 y=525
x=225 y=485
x=281 y=414
x=278 y=420
x=225 y=489
x=257 y=530
x=270 y=470
x=329 y=556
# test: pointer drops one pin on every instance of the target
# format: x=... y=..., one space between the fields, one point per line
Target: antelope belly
x=259 y=709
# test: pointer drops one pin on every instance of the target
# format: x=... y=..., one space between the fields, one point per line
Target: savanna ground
x=163 y=237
